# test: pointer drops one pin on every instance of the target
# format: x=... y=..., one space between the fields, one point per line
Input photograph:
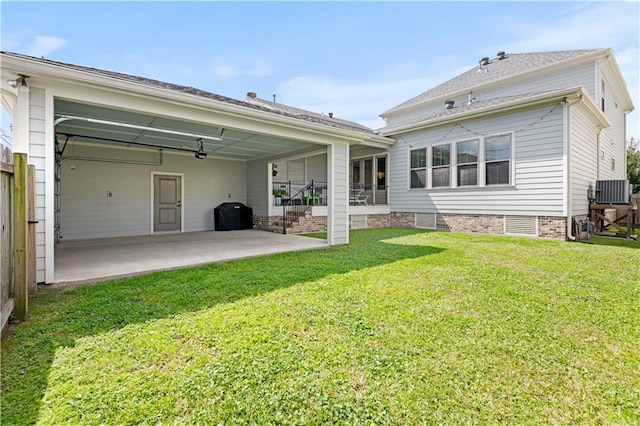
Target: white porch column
x=21 y=123
x=338 y=200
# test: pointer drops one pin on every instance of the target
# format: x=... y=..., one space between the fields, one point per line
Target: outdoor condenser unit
x=613 y=192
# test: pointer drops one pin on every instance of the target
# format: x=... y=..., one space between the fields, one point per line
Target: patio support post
x=338 y=199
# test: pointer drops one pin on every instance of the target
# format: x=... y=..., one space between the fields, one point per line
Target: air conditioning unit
x=613 y=192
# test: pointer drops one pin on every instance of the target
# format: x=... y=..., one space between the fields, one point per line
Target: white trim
x=49 y=177
x=512 y=149
x=183 y=201
x=330 y=194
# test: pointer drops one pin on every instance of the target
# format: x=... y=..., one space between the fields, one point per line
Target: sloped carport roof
x=232 y=129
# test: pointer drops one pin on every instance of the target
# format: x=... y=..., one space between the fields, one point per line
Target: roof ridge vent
x=449 y=104
x=501 y=55
x=484 y=61
x=252 y=95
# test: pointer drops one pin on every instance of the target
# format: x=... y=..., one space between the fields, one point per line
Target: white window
x=441 y=166
x=498 y=160
x=418 y=169
x=467 y=163
x=481 y=162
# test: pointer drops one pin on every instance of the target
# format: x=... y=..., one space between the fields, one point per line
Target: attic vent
x=426 y=220
x=521 y=225
x=330 y=115
x=449 y=104
x=501 y=55
x=484 y=61
x=252 y=95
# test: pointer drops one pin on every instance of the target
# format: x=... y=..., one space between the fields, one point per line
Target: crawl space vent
x=358 y=221
x=426 y=220
x=521 y=225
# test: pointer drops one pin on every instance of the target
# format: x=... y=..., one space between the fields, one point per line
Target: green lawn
x=400 y=327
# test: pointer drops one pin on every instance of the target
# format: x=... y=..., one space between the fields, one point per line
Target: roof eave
x=508 y=106
x=47 y=71
x=542 y=70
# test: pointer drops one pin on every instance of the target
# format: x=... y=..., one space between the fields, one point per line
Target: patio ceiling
x=107 y=126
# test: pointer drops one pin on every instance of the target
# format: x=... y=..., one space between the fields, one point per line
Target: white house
x=511 y=146
x=119 y=155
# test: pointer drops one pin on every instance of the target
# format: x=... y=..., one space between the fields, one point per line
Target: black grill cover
x=232 y=217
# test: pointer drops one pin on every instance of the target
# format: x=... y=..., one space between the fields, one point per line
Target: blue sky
x=355 y=59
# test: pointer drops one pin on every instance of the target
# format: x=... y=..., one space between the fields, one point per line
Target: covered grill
x=232 y=217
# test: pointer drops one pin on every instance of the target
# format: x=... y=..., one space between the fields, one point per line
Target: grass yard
x=400 y=327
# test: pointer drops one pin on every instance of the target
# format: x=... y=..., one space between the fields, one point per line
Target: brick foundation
x=548 y=226
x=378 y=220
x=484 y=224
x=552 y=227
x=402 y=220
x=309 y=223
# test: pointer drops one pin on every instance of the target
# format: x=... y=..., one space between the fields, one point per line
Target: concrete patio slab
x=93 y=260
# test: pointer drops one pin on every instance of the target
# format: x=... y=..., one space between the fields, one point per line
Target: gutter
x=76 y=77
x=533 y=101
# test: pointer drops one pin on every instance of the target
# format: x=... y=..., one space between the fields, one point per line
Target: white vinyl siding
x=537 y=186
x=584 y=161
x=258 y=189
x=316 y=168
x=613 y=139
x=88 y=212
x=37 y=157
x=583 y=75
x=338 y=174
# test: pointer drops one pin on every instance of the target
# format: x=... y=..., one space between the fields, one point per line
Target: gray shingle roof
x=457 y=110
x=513 y=65
x=288 y=112
x=304 y=113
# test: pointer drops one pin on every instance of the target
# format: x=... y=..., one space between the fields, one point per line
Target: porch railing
x=313 y=193
x=295 y=199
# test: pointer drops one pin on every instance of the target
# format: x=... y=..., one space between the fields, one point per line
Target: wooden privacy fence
x=635 y=199
x=17 y=242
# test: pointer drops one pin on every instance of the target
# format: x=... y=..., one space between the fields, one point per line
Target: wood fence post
x=21 y=290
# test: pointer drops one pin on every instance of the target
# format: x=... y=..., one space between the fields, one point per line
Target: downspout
x=567 y=123
x=598 y=153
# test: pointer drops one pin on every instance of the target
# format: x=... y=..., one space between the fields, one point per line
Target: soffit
x=235 y=144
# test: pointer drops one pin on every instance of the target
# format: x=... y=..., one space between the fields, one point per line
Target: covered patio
x=92 y=260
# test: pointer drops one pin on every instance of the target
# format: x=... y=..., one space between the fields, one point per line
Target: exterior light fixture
x=20 y=83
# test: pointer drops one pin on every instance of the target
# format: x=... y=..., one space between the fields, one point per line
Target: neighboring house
x=511 y=146
x=118 y=155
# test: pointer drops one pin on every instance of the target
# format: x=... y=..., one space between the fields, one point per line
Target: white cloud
x=356 y=101
x=44 y=45
x=588 y=25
